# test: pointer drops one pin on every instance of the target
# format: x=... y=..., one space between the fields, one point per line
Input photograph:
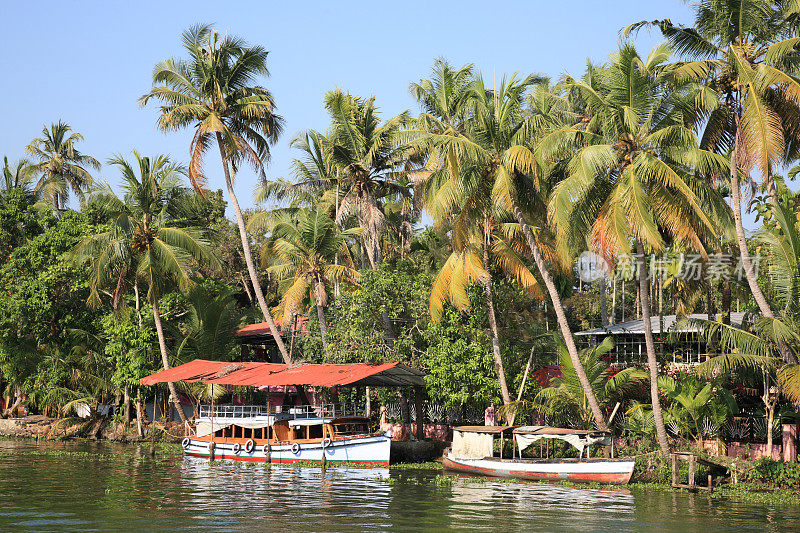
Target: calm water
x=61 y=487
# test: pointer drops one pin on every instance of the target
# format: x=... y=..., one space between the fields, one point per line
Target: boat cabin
x=478 y=442
x=303 y=424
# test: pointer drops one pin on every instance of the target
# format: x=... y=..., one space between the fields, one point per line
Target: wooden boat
x=472 y=453
x=290 y=435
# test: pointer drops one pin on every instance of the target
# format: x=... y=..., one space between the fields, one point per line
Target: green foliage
x=128 y=347
x=693 y=401
x=565 y=398
x=779 y=473
x=355 y=331
x=459 y=361
x=42 y=296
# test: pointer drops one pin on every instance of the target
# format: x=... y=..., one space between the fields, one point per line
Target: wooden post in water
x=674 y=469
x=692 y=472
x=211 y=445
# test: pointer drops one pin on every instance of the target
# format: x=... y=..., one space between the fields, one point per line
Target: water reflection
x=112 y=487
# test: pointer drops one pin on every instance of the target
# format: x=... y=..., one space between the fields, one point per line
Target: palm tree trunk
x=248 y=258
x=562 y=319
x=747 y=264
x=319 y=297
x=162 y=345
x=126 y=398
x=498 y=360
x=652 y=363
x=603 y=303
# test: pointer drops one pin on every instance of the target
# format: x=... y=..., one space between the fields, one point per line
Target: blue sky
x=87 y=62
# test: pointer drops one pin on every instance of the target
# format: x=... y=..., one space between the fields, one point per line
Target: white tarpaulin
x=203 y=427
x=527 y=437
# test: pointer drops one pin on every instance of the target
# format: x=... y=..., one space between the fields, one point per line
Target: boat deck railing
x=285 y=411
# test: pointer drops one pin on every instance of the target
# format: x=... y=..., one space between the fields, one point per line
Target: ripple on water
x=61 y=487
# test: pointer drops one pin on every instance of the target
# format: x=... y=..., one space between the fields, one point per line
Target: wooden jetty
x=715 y=470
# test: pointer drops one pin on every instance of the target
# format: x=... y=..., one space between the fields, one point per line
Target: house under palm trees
x=677 y=341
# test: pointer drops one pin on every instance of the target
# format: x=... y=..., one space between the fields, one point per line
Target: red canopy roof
x=205 y=371
x=269 y=374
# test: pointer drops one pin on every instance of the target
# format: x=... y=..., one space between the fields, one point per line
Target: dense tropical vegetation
x=643 y=157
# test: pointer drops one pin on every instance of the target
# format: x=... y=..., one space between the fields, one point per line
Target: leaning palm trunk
x=248 y=258
x=163 y=347
x=747 y=264
x=652 y=363
x=562 y=319
x=498 y=360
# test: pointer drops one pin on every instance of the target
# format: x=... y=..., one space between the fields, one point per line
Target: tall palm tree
x=747 y=52
x=60 y=165
x=631 y=179
x=496 y=144
x=455 y=195
x=140 y=240
x=213 y=91
x=17 y=177
x=368 y=157
x=306 y=253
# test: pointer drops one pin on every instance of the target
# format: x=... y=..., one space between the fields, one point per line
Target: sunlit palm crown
x=302 y=254
x=747 y=53
x=215 y=91
x=637 y=171
x=140 y=240
x=60 y=165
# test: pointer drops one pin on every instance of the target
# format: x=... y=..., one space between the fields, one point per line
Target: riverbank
x=43 y=427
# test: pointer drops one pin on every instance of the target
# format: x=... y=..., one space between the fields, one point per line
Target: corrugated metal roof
x=636 y=327
x=271 y=374
x=203 y=370
x=262 y=328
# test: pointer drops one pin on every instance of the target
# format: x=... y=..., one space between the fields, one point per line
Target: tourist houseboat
x=281 y=434
x=286 y=435
x=472 y=452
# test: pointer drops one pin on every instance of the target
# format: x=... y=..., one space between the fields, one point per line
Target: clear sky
x=87 y=62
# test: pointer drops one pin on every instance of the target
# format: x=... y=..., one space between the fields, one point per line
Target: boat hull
x=611 y=471
x=369 y=449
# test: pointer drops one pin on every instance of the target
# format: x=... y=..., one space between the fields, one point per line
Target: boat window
x=351 y=428
x=315 y=432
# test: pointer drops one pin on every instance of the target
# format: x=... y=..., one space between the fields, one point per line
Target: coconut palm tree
x=368 y=157
x=60 y=165
x=214 y=92
x=17 y=177
x=455 y=194
x=746 y=51
x=631 y=178
x=495 y=144
x=140 y=240
x=306 y=253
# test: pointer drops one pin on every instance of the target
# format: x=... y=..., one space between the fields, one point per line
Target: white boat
x=472 y=453
x=290 y=435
